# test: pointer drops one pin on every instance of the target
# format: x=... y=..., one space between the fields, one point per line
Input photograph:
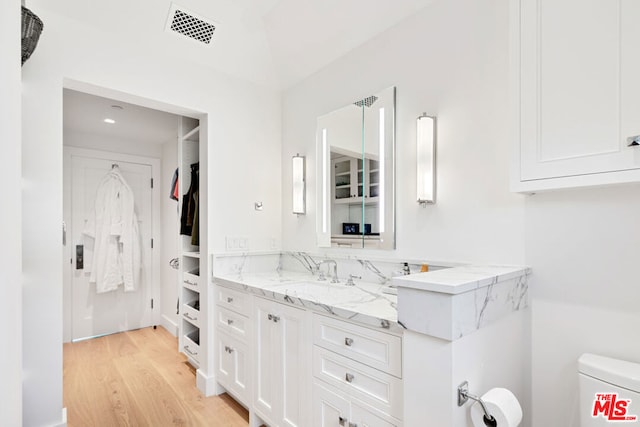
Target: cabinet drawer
x=191 y=346
x=380 y=390
x=191 y=281
x=234 y=300
x=374 y=348
x=191 y=314
x=233 y=323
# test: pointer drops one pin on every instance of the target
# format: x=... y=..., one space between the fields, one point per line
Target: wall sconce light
x=298 y=167
x=426 y=159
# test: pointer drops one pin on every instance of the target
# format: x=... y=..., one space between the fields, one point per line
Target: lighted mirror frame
x=385 y=129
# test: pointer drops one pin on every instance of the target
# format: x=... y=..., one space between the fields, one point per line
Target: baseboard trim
x=63 y=423
x=169 y=325
x=207 y=385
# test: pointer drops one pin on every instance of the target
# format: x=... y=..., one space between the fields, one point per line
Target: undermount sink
x=316 y=287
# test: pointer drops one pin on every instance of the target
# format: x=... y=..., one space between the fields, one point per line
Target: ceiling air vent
x=367 y=102
x=189 y=24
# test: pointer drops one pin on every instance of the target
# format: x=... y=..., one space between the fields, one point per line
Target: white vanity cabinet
x=281 y=371
x=357 y=375
x=293 y=366
x=233 y=332
x=575 y=65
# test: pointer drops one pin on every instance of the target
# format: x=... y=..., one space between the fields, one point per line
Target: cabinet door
x=578 y=87
x=329 y=409
x=294 y=363
x=267 y=367
x=233 y=366
x=281 y=363
x=225 y=362
x=343 y=179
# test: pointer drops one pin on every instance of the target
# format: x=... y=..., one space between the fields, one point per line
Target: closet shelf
x=192 y=254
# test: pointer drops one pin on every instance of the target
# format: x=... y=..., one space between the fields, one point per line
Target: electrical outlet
x=231 y=243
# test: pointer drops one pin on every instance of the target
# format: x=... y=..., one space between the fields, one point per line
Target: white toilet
x=610 y=389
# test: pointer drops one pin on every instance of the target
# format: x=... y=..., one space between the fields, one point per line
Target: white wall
x=10 y=217
x=584 y=248
x=450 y=60
x=114 y=145
x=170 y=233
x=244 y=151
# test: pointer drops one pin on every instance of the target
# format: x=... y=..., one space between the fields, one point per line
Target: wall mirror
x=356 y=189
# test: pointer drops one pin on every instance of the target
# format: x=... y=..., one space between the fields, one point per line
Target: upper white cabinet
x=576 y=81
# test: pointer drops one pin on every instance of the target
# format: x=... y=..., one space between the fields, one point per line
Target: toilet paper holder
x=464 y=396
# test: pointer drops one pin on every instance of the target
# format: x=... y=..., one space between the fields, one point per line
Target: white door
x=94 y=314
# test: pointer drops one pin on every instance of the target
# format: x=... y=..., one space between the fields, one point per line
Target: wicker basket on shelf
x=31 y=29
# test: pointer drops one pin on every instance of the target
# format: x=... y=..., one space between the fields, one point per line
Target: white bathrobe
x=113 y=228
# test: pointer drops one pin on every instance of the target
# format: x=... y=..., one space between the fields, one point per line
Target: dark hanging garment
x=189 y=203
x=195 y=229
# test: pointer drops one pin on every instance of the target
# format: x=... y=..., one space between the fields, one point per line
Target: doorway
x=142 y=142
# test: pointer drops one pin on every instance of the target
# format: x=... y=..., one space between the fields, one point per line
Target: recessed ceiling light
x=110 y=121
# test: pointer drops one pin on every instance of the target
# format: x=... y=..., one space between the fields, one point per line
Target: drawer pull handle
x=228 y=349
x=186 y=349
x=229 y=322
x=189 y=317
x=349 y=377
x=229 y=300
x=188 y=282
x=274 y=318
x=348 y=342
x=342 y=421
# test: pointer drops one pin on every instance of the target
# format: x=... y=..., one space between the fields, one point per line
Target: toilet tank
x=609 y=391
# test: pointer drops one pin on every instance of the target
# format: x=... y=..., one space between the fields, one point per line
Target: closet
x=189 y=240
x=193 y=290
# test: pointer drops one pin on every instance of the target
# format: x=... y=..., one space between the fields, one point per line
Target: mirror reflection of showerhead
x=367 y=102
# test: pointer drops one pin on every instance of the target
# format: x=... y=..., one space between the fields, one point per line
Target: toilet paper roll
x=502 y=405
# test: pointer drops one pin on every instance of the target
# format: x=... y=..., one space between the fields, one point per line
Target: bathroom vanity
x=298 y=351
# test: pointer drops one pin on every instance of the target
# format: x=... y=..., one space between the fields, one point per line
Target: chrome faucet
x=334 y=276
x=350 y=281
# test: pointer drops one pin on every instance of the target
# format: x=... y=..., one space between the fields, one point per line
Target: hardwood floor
x=137 y=379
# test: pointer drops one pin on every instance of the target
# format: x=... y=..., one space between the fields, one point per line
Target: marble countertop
x=460 y=279
x=364 y=302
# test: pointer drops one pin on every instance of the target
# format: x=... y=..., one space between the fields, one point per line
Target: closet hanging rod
x=191 y=132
